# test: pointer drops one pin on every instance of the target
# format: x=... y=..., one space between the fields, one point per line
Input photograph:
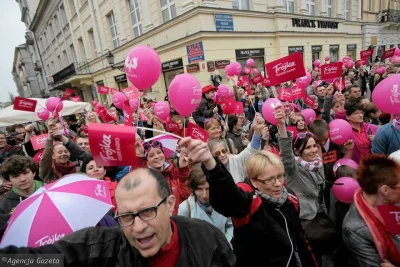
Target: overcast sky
x=12 y=34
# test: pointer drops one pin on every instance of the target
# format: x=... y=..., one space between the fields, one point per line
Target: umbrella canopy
x=56 y=210
x=9 y=116
x=168 y=142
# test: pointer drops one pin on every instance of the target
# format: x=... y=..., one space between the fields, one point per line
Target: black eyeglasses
x=271 y=180
x=146 y=214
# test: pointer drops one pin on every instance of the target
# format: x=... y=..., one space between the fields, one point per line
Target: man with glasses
x=148 y=234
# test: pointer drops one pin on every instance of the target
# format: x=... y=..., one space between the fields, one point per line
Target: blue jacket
x=386 y=141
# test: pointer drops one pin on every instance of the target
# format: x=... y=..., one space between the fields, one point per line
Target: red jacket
x=112 y=185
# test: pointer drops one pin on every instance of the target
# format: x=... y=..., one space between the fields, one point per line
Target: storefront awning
x=79 y=80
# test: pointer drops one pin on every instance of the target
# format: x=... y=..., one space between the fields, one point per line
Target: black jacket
x=264 y=235
x=7 y=206
x=202 y=245
x=205 y=109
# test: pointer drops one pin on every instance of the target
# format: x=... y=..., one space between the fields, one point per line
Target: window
x=370 y=5
x=113 y=28
x=45 y=41
x=56 y=25
x=72 y=7
x=82 y=49
x=65 y=56
x=91 y=39
x=48 y=69
x=168 y=9
x=134 y=8
x=346 y=9
x=329 y=8
x=73 y=54
x=241 y=4
x=51 y=32
x=64 y=20
x=289 y=6
x=53 y=67
x=60 y=63
x=311 y=7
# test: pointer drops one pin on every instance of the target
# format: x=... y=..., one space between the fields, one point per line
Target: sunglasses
x=301 y=135
x=218 y=153
x=149 y=145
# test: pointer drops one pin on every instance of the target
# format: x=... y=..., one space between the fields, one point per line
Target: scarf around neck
x=380 y=234
x=275 y=201
x=312 y=166
x=61 y=170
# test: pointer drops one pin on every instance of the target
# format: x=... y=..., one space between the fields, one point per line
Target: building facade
x=196 y=36
x=28 y=10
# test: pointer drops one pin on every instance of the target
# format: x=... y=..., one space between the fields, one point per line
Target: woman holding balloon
x=366 y=235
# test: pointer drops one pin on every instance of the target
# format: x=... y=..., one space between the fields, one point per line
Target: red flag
x=67 y=94
x=366 y=53
x=39 y=141
x=266 y=82
x=172 y=126
x=128 y=113
x=243 y=81
x=257 y=79
x=38 y=156
x=293 y=130
x=104 y=90
x=309 y=101
x=285 y=94
x=238 y=108
x=331 y=71
x=339 y=84
x=112 y=145
x=131 y=92
x=228 y=105
x=104 y=115
x=286 y=69
x=113 y=90
x=298 y=92
x=389 y=53
x=196 y=132
x=24 y=104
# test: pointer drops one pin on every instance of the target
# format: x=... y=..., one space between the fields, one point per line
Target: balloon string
x=159 y=131
x=137 y=122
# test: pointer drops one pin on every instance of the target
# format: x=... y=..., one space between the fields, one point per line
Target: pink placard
x=39 y=141
x=286 y=69
x=196 y=132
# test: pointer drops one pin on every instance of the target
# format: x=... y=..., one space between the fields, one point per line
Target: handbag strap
x=189 y=210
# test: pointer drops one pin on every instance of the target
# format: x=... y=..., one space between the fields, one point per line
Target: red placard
x=38 y=142
x=104 y=115
x=76 y=98
x=112 y=145
x=266 y=82
x=172 y=126
x=104 y=90
x=243 y=81
x=339 y=84
x=309 y=101
x=196 y=132
x=331 y=71
x=391 y=216
x=257 y=79
x=128 y=113
x=24 y=104
x=248 y=90
x=389 y=53
x=67 y=94
x=238 y=108
x=113 y=90
x=286 y=69
x=298 y=92
x=228 y=105
x=38 y=156
x=285 y=94
x=366 y=53
x=131 y=92
x=293 y=130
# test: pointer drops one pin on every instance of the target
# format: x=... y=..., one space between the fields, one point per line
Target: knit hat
x=208 y=88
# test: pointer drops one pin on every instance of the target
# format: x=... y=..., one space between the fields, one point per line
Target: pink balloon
x=236 y=68
x=143 y=67
x=161 y=109
x=223 y=91
x=52 y=103
x=43 y=114
x=316 y=69
x=349 y=64
x=185 y=94
x=317 y=62
x=327 y=58
x=250 y=62
x=340 y=131
x=118 y=99
x=59 y=106
x=229 y=70
x=380 y=70
x=395 y=59
x=397 y=52
x=309 y=115
x=345 y=59
x=254 y=70
x=386 y=95
x=268 y=110
x=344 y=162
x=345 y=193
x=134 y=103
x=304 y=81
x=230 y=94
x=98 y=105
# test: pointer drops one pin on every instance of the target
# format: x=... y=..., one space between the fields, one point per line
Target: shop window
x=170 y=75
x=289 y=6
x=94 y=92
x=391 y=46
x=334 y=53
x=315 y=56
x=258 y=63
x=241 y=4
x=381 y=50
x=168 y=9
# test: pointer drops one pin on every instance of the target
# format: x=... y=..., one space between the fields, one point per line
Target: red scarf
x=380 y=234
x=60 y=170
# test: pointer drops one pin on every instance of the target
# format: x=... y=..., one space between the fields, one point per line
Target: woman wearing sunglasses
x=236 y=164
x=305 y=175
x=176 y=177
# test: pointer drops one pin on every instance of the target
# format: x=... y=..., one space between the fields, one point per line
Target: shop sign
x=193 y=68
x=316 y=48
x=210 y=66
x=224 y=22
x=247 y=53
x=294 y=49
x=195 y=52
x=120 y=78
x=173 y=64
x=100 y=82
x=351 y=47
x=221 y=64
x=311 y=23
x=333 y=47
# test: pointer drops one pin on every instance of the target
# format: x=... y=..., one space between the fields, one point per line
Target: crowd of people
x=256 y=194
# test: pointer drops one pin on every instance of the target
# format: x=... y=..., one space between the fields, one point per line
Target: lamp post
x=110 y=60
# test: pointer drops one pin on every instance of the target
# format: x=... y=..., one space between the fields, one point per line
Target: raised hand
x=198 y=151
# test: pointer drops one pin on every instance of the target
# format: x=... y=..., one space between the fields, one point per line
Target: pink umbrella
x=168 y=142
x=56 y=210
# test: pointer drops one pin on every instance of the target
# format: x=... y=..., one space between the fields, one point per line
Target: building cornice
x=38 y=14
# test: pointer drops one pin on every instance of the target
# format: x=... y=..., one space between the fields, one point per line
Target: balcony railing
x=72 y=69
x=388 y=15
